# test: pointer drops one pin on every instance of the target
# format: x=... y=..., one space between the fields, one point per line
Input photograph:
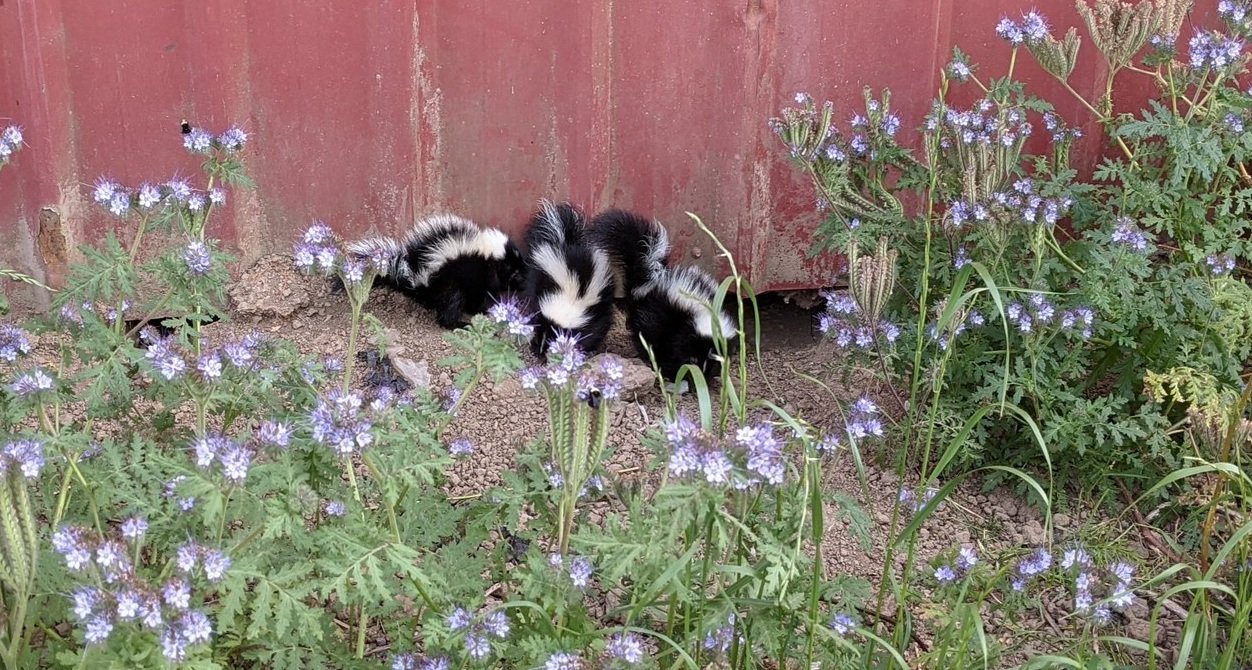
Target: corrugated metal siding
x=368 y=114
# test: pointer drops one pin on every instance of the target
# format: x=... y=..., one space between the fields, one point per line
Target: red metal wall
x=366 y=114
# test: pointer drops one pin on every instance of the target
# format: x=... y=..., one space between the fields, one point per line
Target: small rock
x=961 y=537
x=1033 y=533
x=1138 y=629
x=1060 y=520
x=416 y=373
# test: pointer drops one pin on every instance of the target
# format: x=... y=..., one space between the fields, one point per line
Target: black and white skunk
x=569 y=280
x=671 y=308
x=449 y=264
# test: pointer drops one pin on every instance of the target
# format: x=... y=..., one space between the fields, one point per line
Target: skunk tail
x=639 y=247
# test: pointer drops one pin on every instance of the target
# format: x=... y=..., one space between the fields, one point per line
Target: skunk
x=448 y=264
x=569 y=280
x=668 y=307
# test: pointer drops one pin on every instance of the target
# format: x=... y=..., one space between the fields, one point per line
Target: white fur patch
x=658 y=248
x=693 y=290
x=568 y=307
x=467 y=239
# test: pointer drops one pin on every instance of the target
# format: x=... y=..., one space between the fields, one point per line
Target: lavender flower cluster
x=1214 y=51
x=26 y=456
x=563 y=660
x=843 y=623
x=1128 y=234
x=970 y=318
x=960 y=70
x=1060 y=132
x=568 y=368
x=126 y=598
x=74 y=315
x=579 y=568
x=1114 y=587
x=478 y=636
x=1037 y=312
x=556 y=480
x=845 y=323
x=10 y=143
x=1031 y=30
x=877 y=124
x=754 y=456
x=171 y=362
x=1031 y=207
x=915 y=501
x=625 y=648
x=30 y=383
x=201 y=141
x=1219 y=265
x=978 y=126
x=950 y=571
x=13 y=342
x=1236 y=14
x=509 y=313
x=317 y=250
x=197 y=258
x=339 y=422
x=120 y=200
x=185 y=503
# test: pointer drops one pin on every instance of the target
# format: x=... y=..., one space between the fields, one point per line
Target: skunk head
x=569 y=282
x=510 y=272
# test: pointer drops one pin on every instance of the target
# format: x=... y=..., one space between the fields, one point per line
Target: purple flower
x=150 y=612
x=580 y=571
x=843 y=624
x=177 y=594
x=98 y=629
x=944 y=574
x=461 y=447
x=196 y=256
x=173 y=646
x=84 y=601
x=179 y=189
x=890 y=125
x=134 y=528
x=477 y=646
x=210 y=366
x=198 y=141
x=530 y=377
x=149 y=196
x=72 y=543
x=1035 y=27
x=1008 y=30
x=497 y=623
x=404 y=662
x=274 y=433
x=31 y=383
x=168 y=362
x=127 y=604
x=236 y=460
x=334 y=508
x=187 y=556
x=196 y=627
x=1219 y=265
x=12 y=136
x=563 y=661
x=828 y=443
x=207 y=448
x=119 y=204
x=218 y=197
x=960 y=71
x=458 y=619
x=337 y=422
x=353 y=271
x=1129 y=234
x=1076 y=556
x=196 y=202
x=966 y=558
x=1211 y=50
x=625 y=647
x=233 y=139
x=242 y=354
x=764 y=452
x=13 y=341
x=216 y=563
x=103 y=191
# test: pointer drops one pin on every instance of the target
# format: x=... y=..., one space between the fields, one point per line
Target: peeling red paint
x=368 y=114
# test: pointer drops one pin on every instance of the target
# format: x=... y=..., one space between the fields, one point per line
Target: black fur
x=664 y=304
x=557 y=243
x=474 y=267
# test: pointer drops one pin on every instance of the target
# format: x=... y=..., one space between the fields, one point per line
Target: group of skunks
x=567 y=277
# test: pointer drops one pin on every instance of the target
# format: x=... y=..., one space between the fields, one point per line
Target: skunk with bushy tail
x=569 y=280
x=670 y=308
x=448 y=264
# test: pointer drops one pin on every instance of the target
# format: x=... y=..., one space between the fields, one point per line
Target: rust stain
x=52 y=247
x=426 y=127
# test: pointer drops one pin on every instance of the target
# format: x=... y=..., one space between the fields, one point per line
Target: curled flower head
x=563 y=661
x=134 y=528
x=196 y=256
x=31 y=383
x=198 y=141
x=149 y=196
x=233 y=139
x=626 y=648
x=103 y=191
x=13 y=342
x=461 y=447
x=179 y=189
x=1130 y=235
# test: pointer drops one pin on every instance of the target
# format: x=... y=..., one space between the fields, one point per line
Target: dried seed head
x=1058 y=57
x=1119 y=29
x=872 y=279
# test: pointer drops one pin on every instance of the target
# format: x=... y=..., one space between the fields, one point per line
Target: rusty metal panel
x=369 y=114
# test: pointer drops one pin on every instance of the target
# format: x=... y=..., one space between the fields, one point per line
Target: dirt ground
x=502 y=418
